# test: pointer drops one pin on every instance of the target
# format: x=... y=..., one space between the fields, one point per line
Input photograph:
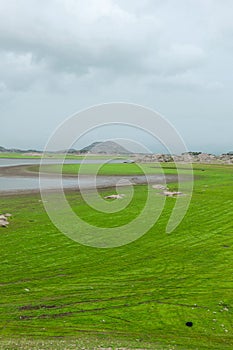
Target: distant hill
x=106 y=147
x=16 y=150
x=89 y=148
x=63 y=151
x=3 y=149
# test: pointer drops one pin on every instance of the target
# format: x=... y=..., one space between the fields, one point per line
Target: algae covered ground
x=35 y=155
x=58 y=294
x=108 y=168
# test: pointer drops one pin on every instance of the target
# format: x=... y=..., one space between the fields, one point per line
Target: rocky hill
x=106 y=147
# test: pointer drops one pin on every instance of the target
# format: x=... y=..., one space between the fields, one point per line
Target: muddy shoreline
x=102 y=181
x=18 y=170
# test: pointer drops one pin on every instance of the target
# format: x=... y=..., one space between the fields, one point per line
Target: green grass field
x=57 y=294
x=17 y=155
x=115 y=169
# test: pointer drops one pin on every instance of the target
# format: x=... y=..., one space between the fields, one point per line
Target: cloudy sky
x=60 y=56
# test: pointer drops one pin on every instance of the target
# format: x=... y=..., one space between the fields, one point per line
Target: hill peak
x=105 y=147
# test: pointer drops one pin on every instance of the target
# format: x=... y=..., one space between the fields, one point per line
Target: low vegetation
x=57 y=294
x=114 y=169
x=18 y=155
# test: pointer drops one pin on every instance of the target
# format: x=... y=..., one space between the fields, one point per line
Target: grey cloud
x=18 y=71
x=63 y=55
x=76 y=38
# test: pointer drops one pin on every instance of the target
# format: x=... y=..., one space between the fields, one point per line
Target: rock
x=172 y=194
x=159 y=187
x=4 y=219
x=4 y=223
x=114 y=196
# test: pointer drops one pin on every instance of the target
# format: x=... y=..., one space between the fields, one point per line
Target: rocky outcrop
x=193 y=157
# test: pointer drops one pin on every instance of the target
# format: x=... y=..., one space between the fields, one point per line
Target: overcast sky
x=60 y=56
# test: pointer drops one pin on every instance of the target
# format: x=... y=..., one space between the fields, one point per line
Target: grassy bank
x=115 y=169
x=17 y=155
x=137 y=296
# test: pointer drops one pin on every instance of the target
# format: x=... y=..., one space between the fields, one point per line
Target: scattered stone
x=188 y=157
x=159 y=187
x=4 y=219
x=172 y=194
x=166 y=191
x=114 y=196
x=4 y=223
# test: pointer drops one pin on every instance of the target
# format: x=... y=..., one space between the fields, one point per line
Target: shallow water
x=28 y=183
x=15 y=162
x=21 y=183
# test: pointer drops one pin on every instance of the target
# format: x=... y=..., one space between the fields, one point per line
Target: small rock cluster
x=172 y=193
x=166 y=192
x=114 y=196
x=4 y=219
x=160 y=187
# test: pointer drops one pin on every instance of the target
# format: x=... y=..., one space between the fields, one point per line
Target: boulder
x=114 y=196
x=4 y=219
x=4 y=223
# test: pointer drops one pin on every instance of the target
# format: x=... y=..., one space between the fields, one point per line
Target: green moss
x=142 y=293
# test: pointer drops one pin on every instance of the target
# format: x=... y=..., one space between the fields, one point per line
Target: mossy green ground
x=17 y=155
x=136 y=296
x=113 y=169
